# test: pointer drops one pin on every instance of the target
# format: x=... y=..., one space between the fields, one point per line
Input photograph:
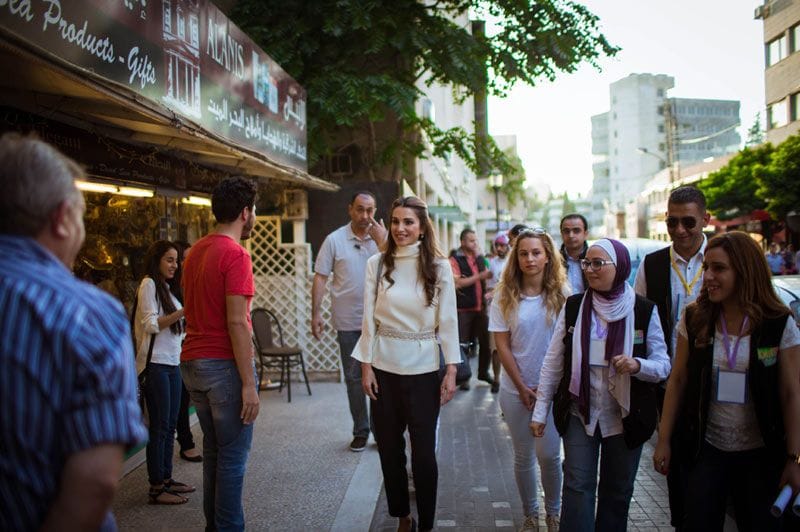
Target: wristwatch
x=794 y=457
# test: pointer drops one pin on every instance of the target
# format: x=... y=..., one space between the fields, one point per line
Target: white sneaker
x=552 y=523
x=531 y=523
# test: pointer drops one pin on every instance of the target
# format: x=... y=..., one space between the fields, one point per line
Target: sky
x=712 y=48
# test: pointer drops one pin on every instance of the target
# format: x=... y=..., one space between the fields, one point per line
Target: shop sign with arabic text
x=184 y=54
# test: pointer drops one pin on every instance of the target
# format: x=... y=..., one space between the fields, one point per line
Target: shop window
x=795 y=33
x=777 y=115
x=777 y=50
x=794 y=106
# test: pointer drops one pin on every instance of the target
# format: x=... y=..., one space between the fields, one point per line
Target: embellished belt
x=406 y=335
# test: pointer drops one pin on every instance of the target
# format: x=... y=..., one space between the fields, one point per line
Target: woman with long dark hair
x=409 y=301
x=159 y=330
x=606 y=355
x=532 y=290
x=732 y=407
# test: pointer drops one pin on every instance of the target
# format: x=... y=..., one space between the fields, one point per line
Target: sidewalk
x=477 y=490
x=301 y=474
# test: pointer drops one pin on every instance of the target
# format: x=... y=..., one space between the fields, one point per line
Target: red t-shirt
x=216 y=266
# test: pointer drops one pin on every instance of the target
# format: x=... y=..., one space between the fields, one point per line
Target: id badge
x=731 y=386
x=597 y=354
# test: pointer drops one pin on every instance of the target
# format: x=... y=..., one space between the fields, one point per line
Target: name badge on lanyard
x=731 y=386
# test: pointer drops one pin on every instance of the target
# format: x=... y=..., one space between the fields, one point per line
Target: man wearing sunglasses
x=671 y=278
x=574 y=231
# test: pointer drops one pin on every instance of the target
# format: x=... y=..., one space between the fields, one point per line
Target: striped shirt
x=67 y=380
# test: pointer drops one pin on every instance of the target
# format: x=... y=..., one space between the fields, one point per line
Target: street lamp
x=667 y=164
x=496 y=182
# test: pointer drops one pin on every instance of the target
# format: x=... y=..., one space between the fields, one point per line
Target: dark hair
x=574 y=215
x=466 y=232
x=687 y=194
x=231 y=196
x=358 y=193
x=182 y=246
x=152 y=270
x=515 y=231
x=427 y=269
x=753 y=289
x=36 y=179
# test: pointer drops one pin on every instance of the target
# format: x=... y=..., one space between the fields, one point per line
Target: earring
x=421 y=237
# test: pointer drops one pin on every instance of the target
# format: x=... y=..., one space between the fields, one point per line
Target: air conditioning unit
x=295 y=204
x=762 y=11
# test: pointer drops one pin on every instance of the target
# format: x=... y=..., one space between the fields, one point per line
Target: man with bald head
x=68 y=407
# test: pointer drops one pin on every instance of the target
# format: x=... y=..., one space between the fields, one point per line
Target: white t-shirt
x=530 y=336
x=167 y=347
x=496 y=266
x=732 y=426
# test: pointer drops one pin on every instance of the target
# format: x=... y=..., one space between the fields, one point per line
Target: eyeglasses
x=532 y=231
x=686 y=221
x=594 y=264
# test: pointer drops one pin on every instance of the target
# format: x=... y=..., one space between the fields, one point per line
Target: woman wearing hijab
x=733 y=401
x=599 y=373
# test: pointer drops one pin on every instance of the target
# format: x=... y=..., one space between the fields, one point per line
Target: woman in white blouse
x=409 y=301
x=732 y=407
x=599 y=372
x=159 y=331
x=531 y=292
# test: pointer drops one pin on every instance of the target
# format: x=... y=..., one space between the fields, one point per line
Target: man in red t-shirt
x=217 y=356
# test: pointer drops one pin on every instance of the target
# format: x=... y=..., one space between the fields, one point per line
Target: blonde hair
x=554 y=280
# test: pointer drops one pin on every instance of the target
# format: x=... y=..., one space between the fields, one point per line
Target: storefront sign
x=184 y=54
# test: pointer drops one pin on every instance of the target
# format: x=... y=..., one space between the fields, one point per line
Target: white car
x=788 y=289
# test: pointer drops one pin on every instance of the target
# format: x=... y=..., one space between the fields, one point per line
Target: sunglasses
x=686 y=221
x=532 y=231
x=594 y=264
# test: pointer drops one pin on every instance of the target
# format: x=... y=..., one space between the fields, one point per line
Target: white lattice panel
x=283 y=280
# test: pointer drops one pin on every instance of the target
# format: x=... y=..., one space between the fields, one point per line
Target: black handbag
x=463 y=369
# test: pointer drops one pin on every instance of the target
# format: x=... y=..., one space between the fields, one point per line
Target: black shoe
x=486 y=378
x=358 y=444
x=464 y=386
x=495 y=386
x=188 y=458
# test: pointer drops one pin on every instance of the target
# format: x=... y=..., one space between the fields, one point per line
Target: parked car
x=788 y=289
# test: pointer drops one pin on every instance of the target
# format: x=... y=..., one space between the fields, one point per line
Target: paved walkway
x=302 y=476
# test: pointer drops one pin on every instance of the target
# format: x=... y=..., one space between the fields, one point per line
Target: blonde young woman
x=409 y=299
x=528 y=299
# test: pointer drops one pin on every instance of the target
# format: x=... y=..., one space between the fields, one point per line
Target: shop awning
x=451 y=213
x=39 y=82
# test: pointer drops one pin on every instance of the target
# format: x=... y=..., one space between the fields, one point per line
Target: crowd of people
x=699 y=349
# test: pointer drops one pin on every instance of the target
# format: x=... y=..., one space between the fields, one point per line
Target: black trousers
x=750 y=477
x=185 y=439
x=676 y=478
x=474 y=325
x=408 y=402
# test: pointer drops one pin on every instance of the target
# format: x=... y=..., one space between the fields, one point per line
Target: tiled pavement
x=477 y=490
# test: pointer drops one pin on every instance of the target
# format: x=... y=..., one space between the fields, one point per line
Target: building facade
x=781 y=20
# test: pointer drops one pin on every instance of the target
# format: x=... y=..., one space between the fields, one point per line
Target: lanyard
x=731 y=354
x=686 y=286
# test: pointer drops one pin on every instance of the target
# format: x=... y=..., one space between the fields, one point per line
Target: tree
x=513 y=187
x=361 y=62
x=755 y=135
x=735 y=189
x=779 y=185
x=569 y=206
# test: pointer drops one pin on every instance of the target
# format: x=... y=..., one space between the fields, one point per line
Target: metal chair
x=272 y=354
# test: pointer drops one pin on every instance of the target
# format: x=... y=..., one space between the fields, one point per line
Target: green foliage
x=513 y=187
x=569 y=206
x=779 y=186
x=361 y=62
x=733 y=190
x=755 y=135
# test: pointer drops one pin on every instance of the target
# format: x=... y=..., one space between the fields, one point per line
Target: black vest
x=659 y=290
x=640 y=423
x=764 y=387
x=467 y=296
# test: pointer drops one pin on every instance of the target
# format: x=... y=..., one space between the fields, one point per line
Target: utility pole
x=670 y=130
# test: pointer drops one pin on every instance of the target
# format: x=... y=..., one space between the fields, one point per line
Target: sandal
x=173 y=498
x=178 y=487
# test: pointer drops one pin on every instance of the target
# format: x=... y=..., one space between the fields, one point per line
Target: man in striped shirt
x=68 y=406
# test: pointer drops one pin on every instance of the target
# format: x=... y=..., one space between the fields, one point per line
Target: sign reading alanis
x=184 y=54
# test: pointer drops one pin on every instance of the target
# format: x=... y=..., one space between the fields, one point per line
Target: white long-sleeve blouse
x=399 y=330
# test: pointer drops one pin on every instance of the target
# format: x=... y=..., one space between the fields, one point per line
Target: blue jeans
x=527 y=451
x=352 y=379
x=216 y=391
x=618 y=466
x=162 y=395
